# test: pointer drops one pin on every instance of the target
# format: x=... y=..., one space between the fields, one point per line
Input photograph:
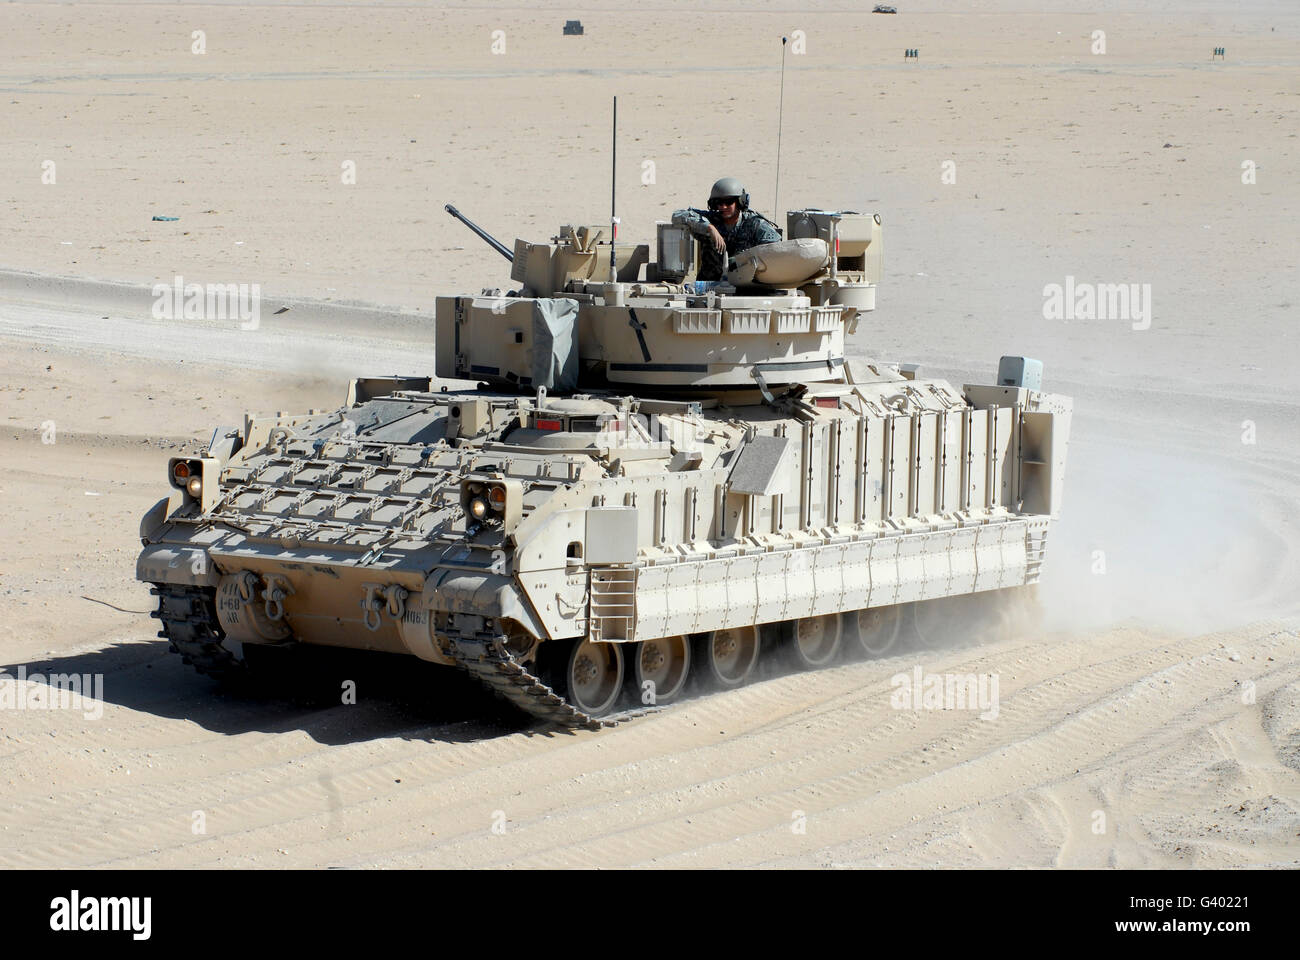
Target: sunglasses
x=723 y=202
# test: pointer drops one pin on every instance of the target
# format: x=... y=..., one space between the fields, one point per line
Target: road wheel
x=589 y=675
x=814 y=641
x=725 y=659
x=932 y=623
x=878 y=630
x=665 y=663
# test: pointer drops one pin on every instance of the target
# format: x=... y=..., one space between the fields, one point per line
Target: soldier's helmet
x=729 y=187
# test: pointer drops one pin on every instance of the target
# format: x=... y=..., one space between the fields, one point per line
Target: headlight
x=493 y=499
x=187 y=475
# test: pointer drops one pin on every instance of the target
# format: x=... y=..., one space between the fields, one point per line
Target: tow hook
x=277 y=588
x=378 y=597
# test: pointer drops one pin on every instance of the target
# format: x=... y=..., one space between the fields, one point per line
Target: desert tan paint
x=879 y=487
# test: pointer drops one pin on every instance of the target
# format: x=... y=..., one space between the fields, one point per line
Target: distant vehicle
x=881 y=8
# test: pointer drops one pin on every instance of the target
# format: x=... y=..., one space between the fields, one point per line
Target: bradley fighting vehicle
x=651 y=484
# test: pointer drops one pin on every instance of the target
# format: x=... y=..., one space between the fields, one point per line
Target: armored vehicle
x=649 y=484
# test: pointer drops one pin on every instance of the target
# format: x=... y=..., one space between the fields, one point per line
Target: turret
x=779 y=317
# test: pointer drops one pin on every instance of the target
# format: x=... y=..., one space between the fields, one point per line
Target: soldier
x=727 y=227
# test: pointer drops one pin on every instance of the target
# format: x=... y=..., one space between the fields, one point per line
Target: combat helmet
x=730 y=187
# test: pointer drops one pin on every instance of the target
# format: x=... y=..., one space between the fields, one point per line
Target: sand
x=1150 y=719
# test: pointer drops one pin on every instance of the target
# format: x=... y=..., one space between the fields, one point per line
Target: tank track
x=488 y=661
x=189 y=621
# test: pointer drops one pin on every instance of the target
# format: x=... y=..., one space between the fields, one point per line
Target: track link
x=488 y=661
x=189 y=621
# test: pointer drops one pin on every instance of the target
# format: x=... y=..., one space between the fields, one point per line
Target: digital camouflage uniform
x=749 y=231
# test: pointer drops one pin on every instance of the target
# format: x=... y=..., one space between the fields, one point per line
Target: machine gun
x=492 y=241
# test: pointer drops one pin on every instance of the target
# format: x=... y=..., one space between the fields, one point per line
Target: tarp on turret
x=555 y=344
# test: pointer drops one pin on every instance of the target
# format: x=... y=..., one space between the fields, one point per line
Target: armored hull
x=652 y=488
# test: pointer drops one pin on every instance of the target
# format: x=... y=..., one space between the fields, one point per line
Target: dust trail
x=1165 y=538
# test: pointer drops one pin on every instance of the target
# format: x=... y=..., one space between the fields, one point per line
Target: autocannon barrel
x=496 y=244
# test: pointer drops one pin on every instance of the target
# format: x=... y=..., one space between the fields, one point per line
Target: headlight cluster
x=497 y=500
x=485 y=499
x=198 y=478
x=188 y=475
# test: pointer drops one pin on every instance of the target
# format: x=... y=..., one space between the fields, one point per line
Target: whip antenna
x=613 y=179
x=780 y=117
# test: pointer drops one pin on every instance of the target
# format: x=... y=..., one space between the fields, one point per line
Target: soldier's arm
x=694 y=219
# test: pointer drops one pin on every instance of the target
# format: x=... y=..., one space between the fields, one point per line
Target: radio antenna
x=780 y=117
x=613 y=179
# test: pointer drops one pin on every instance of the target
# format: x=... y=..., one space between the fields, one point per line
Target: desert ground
x=1150 y=715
